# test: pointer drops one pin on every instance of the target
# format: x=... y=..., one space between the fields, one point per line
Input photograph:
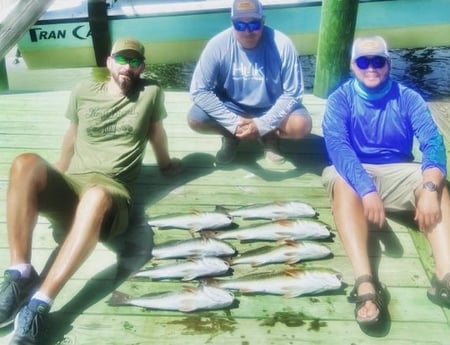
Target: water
x=425 y=70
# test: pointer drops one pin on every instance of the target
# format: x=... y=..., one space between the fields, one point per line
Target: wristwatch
x=430 y=186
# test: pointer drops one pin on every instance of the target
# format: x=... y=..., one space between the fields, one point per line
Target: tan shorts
x=58 y=202
x=395 y=183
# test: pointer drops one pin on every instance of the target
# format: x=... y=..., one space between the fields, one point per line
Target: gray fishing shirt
x=265 y=82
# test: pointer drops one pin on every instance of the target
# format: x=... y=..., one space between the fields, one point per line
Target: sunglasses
x=122 y=60
x=364 y=62
x=254 y=25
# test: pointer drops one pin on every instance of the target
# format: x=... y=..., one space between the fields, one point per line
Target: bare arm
x=374 y=209
x=158 y=139
x=67 y=148
x=428 y=208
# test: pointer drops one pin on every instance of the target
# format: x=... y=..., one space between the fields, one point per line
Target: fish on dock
x=187 y=300
x=195 y=221
x=289 y=252
x=195 y=247
x=273 y=211
x=286 y=229
x=186 y=270
x=289 y=283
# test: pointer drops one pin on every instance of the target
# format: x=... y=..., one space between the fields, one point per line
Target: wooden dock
x=33 y=121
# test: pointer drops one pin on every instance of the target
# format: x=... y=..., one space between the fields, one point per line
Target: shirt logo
x=248 y=72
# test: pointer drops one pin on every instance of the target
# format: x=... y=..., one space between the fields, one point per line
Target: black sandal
x=377 y=298
x=439 y=292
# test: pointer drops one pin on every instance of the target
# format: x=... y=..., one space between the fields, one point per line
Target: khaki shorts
x=59 y=200
x=395 y=183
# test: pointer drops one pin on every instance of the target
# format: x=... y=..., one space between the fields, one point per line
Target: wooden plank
x=81 y=311
x=441 y=114
x=207 y=329
x=393 y=271
x=403 y=303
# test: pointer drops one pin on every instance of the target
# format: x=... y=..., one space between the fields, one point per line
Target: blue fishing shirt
x=360 y=127
x=265 y=81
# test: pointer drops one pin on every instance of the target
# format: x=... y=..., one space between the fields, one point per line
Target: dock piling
x=4 y=85
x=336 y=32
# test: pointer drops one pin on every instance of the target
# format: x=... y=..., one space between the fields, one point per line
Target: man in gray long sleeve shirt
x=248 y=84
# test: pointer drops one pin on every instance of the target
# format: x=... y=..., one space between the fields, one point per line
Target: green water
x=20 y=78
x=425 y=70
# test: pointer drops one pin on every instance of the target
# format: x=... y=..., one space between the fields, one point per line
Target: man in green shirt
x=88 y=192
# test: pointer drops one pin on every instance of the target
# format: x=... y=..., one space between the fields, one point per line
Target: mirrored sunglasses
x=254 y=25
x=122 y=60
x=364 y=62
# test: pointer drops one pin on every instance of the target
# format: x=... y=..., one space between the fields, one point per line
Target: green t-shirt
x=113 y=130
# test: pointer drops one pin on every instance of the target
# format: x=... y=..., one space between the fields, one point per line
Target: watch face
x=430 y=186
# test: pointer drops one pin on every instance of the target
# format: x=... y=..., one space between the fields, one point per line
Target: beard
x=124 y=80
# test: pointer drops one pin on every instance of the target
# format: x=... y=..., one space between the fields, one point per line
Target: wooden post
x=101 y=37
x=24 y=14
x=337 y=29
x=4 y=85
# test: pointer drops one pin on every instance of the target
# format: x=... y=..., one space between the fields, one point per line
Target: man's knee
x=193 y=124
x=28 y=164
x=298 y=126
x=196 y=118
x=98 y=197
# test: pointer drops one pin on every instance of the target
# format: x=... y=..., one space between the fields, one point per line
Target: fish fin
x=246 y=290
x=189 y=288
x=118 y=298
x=292 y=260
x=209 y=282
x=196 y=228
x=283 y=222
x=287 y=242
x=284 y=236
x=187 y=306
x=222 y=209
x=189 y=276
x=257 y=264
x=291 y=293
x=290 y=272
x=280 y=218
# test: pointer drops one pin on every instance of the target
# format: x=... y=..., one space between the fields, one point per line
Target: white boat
x=74 y=33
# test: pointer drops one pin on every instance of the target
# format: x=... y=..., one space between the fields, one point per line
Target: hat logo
x=246 y=6
x=370 y=45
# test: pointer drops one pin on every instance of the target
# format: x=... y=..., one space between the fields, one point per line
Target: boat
x=78 y=33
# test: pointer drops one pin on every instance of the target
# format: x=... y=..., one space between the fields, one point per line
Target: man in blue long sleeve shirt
x=369 y=126
x=248 y=84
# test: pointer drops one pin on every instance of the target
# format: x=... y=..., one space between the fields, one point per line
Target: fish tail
x=136 y=275
x=222 y=209
x=118 y=298
x=209 y=282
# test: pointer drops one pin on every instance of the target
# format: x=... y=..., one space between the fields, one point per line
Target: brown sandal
x=439 y=292
x=360 y=300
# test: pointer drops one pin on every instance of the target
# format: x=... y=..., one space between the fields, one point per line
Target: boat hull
x=177 y=36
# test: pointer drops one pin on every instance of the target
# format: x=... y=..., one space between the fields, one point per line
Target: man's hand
x=374 y=209
x=428 y=211
x=247 y=129
x=173 y=168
